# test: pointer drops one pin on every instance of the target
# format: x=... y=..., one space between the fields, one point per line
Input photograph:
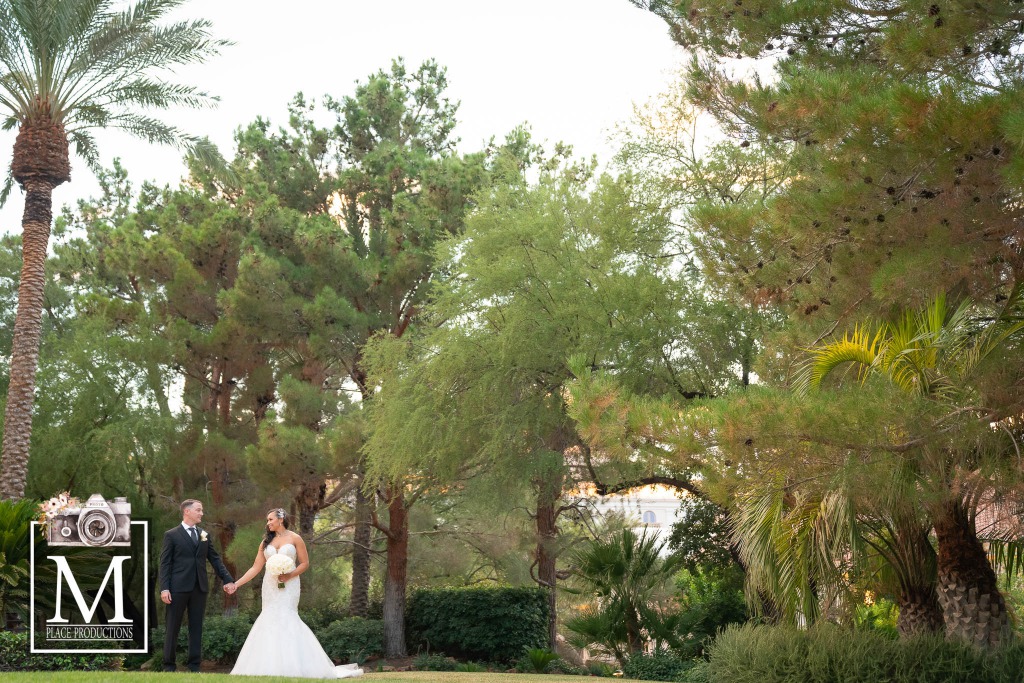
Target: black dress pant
x=195 y=603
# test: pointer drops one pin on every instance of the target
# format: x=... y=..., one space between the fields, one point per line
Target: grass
x=369 y=677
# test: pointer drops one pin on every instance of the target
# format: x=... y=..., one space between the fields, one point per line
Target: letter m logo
x=64 y=573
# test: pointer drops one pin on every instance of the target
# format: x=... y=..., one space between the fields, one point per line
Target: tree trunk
x=914 y=556
x=920 y=612
x=972 y=606
x=395 y=580
x=28 y=325
x=309 y=502
x=359 y=602
x=547 y=552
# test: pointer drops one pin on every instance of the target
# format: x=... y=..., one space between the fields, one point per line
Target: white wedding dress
x=280 y=644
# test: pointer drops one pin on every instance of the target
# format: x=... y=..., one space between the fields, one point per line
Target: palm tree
x=626 y=574
x=68 y=66
x=937 y=354
x=805 y=547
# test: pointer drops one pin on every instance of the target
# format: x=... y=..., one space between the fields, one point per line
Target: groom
x=183 y=581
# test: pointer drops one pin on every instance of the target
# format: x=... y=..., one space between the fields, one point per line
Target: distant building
x=654 y=507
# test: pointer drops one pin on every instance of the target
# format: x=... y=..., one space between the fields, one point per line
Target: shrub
x=470 y=667
x=319 y=617
x=697 y=674
x=353 y=639
x=766 y=654
x=434 y=662
x=710 y=599
x=880 y=616
x=561 y=666
x=661 y=665
x=223 y=638
x=539 y=659
x=490 y=624
x=600 y=669
x=14 y=656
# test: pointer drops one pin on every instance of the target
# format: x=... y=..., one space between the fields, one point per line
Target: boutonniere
x=202 y=535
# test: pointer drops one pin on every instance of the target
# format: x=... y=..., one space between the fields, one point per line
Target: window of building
x=650 y=518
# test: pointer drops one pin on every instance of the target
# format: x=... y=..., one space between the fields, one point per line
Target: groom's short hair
x=186 y=504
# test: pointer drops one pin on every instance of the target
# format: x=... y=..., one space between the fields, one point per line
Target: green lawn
x=370 y=677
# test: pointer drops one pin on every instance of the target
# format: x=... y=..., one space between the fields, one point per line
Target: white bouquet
x=280 y=564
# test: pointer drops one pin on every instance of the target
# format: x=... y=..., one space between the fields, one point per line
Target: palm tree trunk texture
x=359 y=601
x=914 y=558
x=27 y=332
x=972 y=606
x=920 y=613
x=397 y=570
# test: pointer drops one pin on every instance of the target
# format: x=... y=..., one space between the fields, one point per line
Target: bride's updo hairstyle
x=281 y=515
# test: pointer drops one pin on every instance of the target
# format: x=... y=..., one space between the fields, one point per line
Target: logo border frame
x=32 y=598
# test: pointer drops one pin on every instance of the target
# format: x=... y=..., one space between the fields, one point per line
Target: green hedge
x=489 y=624
x=827 y=654
x=223 y=638
x=656 y=666
x=14 y=656
x=353 y=639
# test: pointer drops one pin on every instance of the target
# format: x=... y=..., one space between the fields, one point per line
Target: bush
x=697 y=674
x=14 y=656
x=766 y=654
x=490 y=624
x=560 y=666
x=710 y=599
x=353 y=639
x=600 y=669
x=435 y=662
x=223 y=638
x=661 y=665
x=539 y=659
x=318 y=617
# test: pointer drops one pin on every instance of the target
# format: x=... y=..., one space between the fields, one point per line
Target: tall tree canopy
x=68 y=66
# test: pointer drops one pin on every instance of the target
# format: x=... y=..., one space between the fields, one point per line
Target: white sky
x=572 y=69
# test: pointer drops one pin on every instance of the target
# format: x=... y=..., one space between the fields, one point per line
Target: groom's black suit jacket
x=183 y=563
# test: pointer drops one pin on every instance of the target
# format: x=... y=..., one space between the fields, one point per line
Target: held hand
x=165 y=596
x=285 y=577
x=230 y=588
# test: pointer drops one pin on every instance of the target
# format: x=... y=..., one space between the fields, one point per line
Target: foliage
x=660 y=665
x=86 y=65
x=15 y=517
x=434 y=662
x=701 y=535
x=763 y=654
x=353 y=640
x=540 y=659
x=878 y=616
x=600 y=669
x=627 y=576
x=321 y=615
x=709 y=600
x=558 y=666
x=14 y=656
x=223 y=637
x=490 y=624
x=470 y=667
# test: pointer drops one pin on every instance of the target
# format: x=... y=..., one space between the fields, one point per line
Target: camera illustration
x=97 y=522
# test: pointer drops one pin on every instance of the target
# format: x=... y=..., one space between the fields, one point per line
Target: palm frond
x=90 y=63
x=8 y=185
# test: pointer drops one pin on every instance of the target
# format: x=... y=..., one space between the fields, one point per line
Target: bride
x=280 y=644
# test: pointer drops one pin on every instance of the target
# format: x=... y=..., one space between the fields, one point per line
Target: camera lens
x=96 y=527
